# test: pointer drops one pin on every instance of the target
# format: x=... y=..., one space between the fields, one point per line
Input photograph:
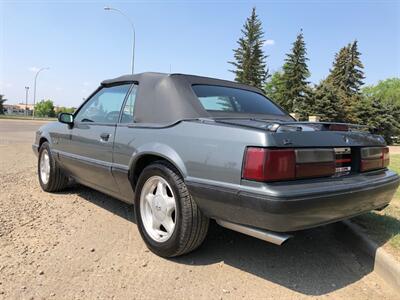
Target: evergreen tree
x=338 y=73
x=250 y=61
x=327 y=102
x=274 y=89
x=355 y=69
x=347 y=76
x=382 y=118
x=295 y=74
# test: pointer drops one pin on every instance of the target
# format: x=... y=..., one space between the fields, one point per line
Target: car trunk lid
x=346 y=140
x=309 y=134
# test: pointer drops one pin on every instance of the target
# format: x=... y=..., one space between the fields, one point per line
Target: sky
x=83 y=44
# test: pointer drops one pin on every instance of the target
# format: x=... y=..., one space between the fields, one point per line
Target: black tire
x=57 y=180
x=191 y=225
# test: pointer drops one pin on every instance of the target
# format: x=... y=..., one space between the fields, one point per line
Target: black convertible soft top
x=169 y=98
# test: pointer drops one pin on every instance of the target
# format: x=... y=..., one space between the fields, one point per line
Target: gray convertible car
x=186 y=149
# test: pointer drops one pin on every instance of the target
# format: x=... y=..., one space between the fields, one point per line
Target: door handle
x=104 y=137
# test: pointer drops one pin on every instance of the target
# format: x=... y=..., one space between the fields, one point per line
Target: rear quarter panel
x=202 y=152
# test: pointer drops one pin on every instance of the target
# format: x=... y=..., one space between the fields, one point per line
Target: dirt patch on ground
x=81 y=244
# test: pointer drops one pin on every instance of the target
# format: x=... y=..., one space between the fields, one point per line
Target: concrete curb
x=384 y=264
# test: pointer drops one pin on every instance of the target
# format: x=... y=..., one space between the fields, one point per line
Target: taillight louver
x=314 y=162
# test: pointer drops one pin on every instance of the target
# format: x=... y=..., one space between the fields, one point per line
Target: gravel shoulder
x=81 y=244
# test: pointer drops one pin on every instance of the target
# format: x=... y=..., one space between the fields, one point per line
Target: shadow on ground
x=381 y=226
x=313 y=262
x=119 y=208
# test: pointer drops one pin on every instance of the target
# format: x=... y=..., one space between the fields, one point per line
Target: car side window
x=104 y=106
x=127 y=112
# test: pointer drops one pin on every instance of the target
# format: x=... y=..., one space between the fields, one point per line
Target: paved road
x=81 y=244
x=17 y=131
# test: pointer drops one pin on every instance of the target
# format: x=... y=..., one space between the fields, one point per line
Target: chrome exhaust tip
x=262 y=234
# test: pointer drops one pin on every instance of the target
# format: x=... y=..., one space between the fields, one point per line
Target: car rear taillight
x=259 y=161
x=386 y=157
x=373 y=158
x=254 y=164
x=281 y=163
x=263 y=164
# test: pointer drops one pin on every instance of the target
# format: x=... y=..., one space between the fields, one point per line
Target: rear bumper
x=292 y=206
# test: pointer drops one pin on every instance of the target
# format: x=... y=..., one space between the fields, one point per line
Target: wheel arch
x=41 y=137
x=42 y=140
x=151 y=153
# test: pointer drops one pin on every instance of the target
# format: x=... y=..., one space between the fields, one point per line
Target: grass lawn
x=384 y=226
x=395 y=166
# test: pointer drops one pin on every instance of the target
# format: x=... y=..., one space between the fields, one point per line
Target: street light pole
x=26 y=100
x=133 y=29
x=34 y=90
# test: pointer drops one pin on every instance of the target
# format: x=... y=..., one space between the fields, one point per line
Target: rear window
x=233 y=100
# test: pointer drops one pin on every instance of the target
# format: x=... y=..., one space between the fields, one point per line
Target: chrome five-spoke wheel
x=168 y=218
x=157 y=208
x=44 y=166
x=51 y=177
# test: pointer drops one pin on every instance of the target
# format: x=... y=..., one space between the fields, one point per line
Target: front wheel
x=169 y=221
x=51 y=177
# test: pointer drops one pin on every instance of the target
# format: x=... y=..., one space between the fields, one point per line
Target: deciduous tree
x=63 y=109
x=45 y=108
x=388 y=91
x=2 y=100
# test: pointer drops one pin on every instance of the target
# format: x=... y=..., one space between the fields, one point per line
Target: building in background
x=20 y=109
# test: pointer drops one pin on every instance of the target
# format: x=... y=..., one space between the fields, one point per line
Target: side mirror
x=66 y=118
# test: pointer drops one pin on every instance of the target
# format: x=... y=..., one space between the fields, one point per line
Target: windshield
x=234 y=100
